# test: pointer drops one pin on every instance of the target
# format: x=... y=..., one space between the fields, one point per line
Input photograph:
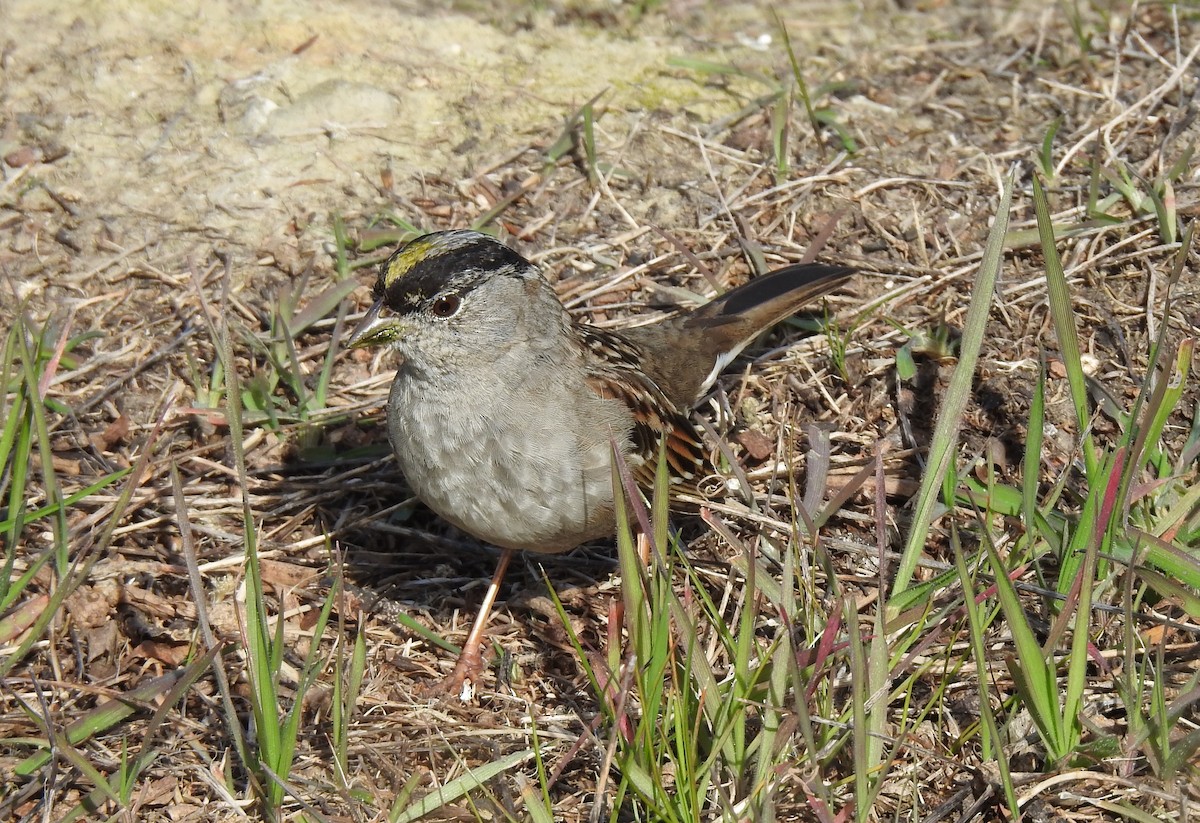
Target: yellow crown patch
x=422 y=248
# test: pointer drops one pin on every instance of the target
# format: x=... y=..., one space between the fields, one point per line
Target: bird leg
x=470 y=660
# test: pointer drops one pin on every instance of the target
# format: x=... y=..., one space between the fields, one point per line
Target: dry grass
x=938 y=125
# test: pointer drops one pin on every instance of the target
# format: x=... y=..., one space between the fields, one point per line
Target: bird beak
x=373 y=330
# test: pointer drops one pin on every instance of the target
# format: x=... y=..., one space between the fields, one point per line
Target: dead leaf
x=114 y=433
x=101 y=640
x=170 y=654
x=92 y=605
x=286 y=575
x=22 y=617
x=757 y=445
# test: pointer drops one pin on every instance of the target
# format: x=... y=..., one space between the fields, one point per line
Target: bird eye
x=446 y=306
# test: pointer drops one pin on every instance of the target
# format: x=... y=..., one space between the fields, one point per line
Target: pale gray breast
x=524 y=465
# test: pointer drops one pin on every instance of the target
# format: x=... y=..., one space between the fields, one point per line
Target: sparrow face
x=453 y=298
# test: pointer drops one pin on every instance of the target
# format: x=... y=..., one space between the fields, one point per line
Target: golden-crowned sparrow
x=504 y=411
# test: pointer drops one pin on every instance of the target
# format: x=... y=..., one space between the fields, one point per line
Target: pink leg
x=470 y=661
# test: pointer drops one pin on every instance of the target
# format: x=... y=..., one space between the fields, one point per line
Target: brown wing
x=614 y=373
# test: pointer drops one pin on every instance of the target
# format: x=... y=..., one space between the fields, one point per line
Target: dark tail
x=766 y=300
x=716 y=332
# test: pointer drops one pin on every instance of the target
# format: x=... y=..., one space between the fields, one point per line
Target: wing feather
x=614 y=373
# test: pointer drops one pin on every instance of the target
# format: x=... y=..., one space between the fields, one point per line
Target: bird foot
x=462 y=681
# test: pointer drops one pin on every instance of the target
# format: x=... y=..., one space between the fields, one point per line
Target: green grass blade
x=1063 y=315
x=25 y=518
x=943 y=447
x=977 y=627
x=474 y=778
x=1034 y=677
x=1032 y=463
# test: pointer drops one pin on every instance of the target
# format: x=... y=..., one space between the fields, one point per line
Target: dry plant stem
x=643 y=544
x=470 y=661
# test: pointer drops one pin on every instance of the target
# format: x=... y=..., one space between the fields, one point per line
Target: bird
x=505 y=410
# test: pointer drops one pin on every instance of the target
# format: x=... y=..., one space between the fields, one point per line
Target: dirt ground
x=165 y=165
